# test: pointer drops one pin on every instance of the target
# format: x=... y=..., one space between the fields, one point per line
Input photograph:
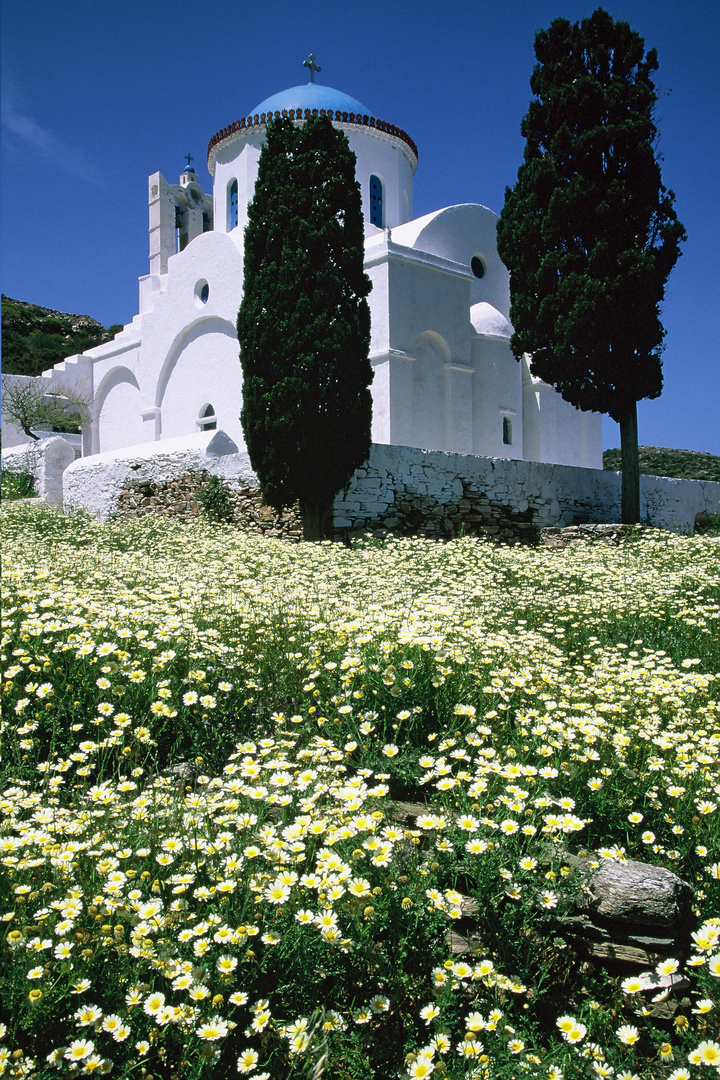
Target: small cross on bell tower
x=188 y=175
x=310 y=63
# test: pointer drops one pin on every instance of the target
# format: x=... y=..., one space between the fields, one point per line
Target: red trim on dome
x=304 y=114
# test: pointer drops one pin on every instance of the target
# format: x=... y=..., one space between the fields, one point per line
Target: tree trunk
x=630 y=514
x=313 y=519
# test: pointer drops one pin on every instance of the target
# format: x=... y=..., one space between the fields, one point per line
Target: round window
x=477 y=267
x=202 y=292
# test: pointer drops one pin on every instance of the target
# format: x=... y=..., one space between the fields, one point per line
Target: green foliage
x=589 y=232
x=16 y=485
x=36 y=338
x=663 y=461
x=215 y=500
x=304 y=321
x=35 y=410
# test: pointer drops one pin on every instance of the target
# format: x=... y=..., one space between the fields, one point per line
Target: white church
x=444 y=375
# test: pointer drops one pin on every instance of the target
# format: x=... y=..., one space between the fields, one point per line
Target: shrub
x=17 y=485
x=215 y=500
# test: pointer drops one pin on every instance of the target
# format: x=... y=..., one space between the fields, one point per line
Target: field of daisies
x=210 y=741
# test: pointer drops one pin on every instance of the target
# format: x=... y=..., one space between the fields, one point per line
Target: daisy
x=79 y=1049
x=247 y=1061
x=153 y=1004
x=429 y=1012
x=214 y=1029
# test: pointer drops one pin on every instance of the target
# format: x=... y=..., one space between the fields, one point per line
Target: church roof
x=311 y=96
x=301 y=102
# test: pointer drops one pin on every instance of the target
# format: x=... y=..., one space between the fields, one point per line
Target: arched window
x=207 y=421
x=507 y=431
x=376 y=201
x=232 y=205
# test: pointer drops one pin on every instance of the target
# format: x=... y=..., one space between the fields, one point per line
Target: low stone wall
x=400 y=489
x=96 y=483
x=183 y=498
x=403 y=489
x=47 y=461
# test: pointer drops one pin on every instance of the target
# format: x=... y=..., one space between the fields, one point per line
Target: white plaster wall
x=47 y=460
x=393 y=162
x=377 y=153
x=426 y=297
x=555 y=431
x=206 y=370
x=379 y=301
x=94 y=484
x=427 y=402
x=498 y=393
x=190 y=352
x=574 y=435
x=236 y=159
x=557 y=494
x=93 y=373
x=458 y=233
x=118 y=406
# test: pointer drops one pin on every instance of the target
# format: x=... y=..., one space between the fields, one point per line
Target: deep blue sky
x=98 y=95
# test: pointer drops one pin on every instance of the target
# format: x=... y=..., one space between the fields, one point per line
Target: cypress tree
x=304 y=321
x=588 y=232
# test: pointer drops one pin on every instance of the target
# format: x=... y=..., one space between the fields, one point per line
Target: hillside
x=34 y=338
x=663 y=461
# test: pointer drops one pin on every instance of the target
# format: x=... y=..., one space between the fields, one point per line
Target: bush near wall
x=16 y=485
x=184 y=498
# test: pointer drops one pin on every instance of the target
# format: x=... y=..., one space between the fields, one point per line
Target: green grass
x=16 y=485
x=206 y=735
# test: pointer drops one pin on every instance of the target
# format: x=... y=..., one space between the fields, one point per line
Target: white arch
x=116 y=410
x=209 y=324
x=110 y=380
x=431 y=353
x=202 y=366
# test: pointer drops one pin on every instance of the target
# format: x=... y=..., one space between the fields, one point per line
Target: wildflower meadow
x=210 y=741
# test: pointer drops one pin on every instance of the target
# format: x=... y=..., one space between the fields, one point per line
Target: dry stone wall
x=414 y=513
x=405 y=489
x=183 y=498
x=400 y=490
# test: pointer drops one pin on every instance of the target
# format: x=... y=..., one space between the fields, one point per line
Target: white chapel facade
x=444 y=375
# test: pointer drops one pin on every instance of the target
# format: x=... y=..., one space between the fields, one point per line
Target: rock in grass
x=636 y=894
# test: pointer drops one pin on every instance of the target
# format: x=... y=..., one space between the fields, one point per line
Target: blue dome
x=310 y=96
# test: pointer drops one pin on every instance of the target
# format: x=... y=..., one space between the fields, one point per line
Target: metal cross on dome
x=310 y=63
x=189 y=158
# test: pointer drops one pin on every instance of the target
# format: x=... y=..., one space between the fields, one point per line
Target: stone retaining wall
x=96 y=483
x=400 y=489
x=182 y=498
x=409 y=490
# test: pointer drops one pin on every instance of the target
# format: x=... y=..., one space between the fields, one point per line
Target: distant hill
x=34 y=338
x=662 y=461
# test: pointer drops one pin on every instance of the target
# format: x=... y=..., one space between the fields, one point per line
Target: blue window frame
x=233 y=205
x=376 y=201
